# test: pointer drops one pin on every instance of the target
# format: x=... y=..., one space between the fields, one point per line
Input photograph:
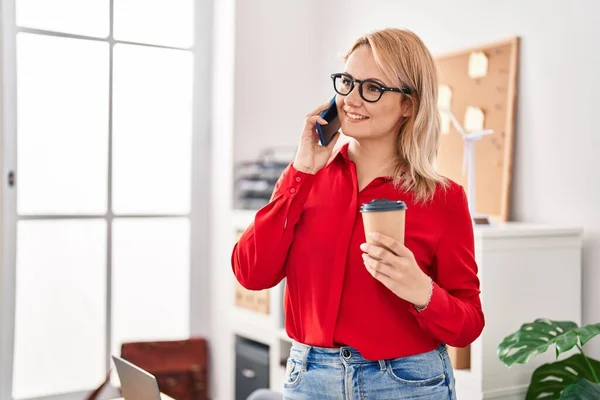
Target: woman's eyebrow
x=368 y=79
x=382 y=83
x=377 y=80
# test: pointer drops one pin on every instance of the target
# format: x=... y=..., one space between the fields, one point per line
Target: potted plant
x=575 y=377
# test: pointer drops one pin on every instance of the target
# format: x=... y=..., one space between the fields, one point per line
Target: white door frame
x=8 y=129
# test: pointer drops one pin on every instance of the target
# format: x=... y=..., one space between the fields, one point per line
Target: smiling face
x=407 y=125
x=364 y=120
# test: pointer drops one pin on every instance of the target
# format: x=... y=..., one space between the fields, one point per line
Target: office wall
x=557 y=143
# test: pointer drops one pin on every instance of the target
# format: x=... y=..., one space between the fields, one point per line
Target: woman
x=370 y=321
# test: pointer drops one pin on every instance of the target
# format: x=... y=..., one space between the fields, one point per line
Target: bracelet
x=429 y=298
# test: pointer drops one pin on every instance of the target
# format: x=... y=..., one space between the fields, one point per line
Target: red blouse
x=310 y=233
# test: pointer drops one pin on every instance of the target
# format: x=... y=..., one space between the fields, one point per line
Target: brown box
x=460 y=357
x=252 y=300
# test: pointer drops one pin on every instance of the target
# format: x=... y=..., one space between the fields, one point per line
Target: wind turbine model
x=469 y=161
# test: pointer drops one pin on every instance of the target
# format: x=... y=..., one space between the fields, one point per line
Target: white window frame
x=199 y=214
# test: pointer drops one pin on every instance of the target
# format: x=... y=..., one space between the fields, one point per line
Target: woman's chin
x=358 y=134
x=355 y=133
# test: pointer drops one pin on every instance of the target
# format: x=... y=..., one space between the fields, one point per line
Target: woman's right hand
x=311 y=156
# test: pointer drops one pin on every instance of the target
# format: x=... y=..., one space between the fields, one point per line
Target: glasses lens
x=371 y=91
x=343 y=84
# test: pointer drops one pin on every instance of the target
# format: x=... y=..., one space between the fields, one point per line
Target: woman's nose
x=353 y=98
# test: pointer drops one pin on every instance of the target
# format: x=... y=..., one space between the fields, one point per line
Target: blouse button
x=298 y=179
x=292 y=190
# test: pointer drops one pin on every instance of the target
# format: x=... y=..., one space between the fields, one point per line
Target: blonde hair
x=405 y=59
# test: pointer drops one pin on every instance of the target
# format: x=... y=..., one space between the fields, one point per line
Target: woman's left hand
x=394 y=265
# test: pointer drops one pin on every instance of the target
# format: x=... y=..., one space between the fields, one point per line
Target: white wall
x=557 y=147
x=276 y=70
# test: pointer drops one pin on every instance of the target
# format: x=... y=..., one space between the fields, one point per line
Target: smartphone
x=327 y=132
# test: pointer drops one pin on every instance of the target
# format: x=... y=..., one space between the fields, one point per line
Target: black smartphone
x=327 y=132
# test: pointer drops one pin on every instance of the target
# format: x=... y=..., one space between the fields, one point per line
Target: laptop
x=136 y=384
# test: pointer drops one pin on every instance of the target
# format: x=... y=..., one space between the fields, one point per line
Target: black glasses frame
x=403 y=90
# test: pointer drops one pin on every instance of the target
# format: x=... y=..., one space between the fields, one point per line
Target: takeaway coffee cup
x=384 y=216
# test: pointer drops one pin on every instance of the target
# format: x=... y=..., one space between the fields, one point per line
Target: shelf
x=252 y=325
x=523 y=229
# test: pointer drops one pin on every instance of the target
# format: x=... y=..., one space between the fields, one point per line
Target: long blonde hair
x=405 y=59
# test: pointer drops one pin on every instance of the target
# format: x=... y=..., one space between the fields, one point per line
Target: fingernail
x=363 y=246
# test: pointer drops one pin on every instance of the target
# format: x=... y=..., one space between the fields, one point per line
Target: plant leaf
x=568 y=340
x=534 y=338
x=549 y=380
x=581 y=390
x=587 y=332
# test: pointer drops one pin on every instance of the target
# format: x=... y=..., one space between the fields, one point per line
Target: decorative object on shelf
x=255 y=180
x=254 y=300
x=478 y=82
x=474 y=120
x=460 y=357
x=576 y=377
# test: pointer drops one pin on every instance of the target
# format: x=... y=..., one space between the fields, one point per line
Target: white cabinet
x=526 y=271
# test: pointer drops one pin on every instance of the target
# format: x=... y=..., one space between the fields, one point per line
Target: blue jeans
x=343 y=374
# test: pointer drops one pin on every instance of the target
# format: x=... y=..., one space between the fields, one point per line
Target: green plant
x=576 y=377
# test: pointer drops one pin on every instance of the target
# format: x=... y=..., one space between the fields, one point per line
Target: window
x=103 y=137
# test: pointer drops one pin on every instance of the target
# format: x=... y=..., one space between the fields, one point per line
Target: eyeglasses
x=369 y=89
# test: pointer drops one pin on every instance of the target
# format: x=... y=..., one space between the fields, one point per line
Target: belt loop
x=305 y=356
x=382 y=365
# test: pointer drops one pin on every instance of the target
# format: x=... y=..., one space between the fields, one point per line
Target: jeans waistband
x=334 y=355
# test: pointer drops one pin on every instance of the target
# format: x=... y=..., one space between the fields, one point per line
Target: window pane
x=162 y=22
x=62 y=89
x=88 y=18
x=151 y=279
x=60 y=333
x=152 y=130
